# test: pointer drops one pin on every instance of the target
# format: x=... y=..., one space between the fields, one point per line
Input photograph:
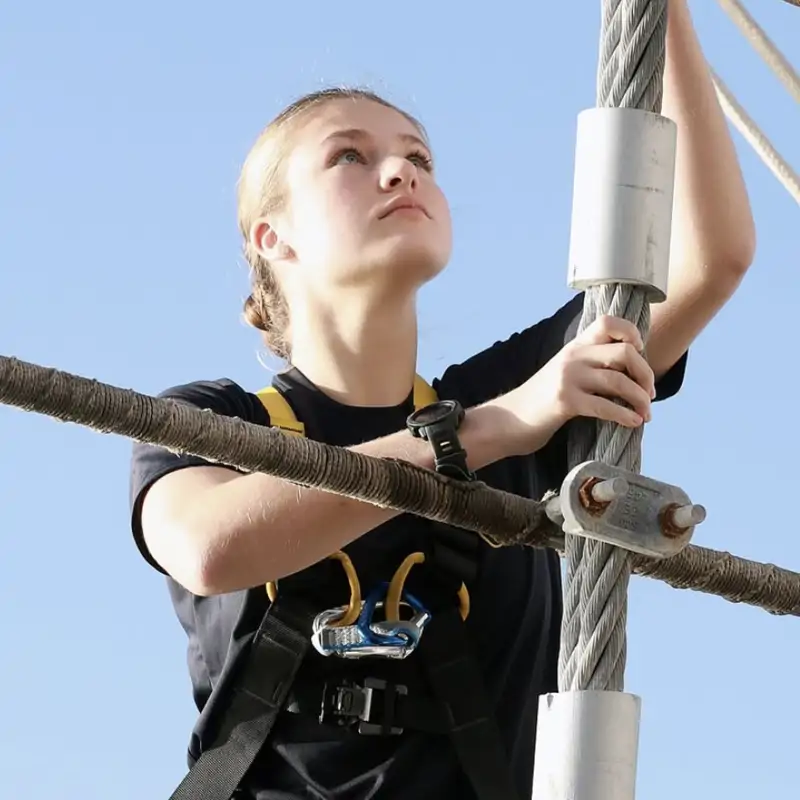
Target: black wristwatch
x=438 y=424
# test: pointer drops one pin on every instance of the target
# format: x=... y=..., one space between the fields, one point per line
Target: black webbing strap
x=454 y=673
x=457 y=683
x=258 y=695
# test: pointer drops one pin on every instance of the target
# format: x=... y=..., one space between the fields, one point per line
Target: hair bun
x=254 y=315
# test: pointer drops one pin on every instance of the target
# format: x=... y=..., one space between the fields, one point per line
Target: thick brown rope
x=388 y=483
x=737 y=580
x=384 y=482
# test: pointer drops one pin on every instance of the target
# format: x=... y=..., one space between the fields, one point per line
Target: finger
x=617 y=385
x=611 y=329
x=622 y=357
x=607 y=410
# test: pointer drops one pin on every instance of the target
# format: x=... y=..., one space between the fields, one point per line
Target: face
x=363 y=207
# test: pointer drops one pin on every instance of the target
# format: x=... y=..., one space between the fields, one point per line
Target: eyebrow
x=359 y=133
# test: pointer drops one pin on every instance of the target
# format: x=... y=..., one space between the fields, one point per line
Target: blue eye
x=421 y=160
x=349 y=156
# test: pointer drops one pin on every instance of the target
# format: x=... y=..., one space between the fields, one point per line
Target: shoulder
x=222 y=396
x=149 y=463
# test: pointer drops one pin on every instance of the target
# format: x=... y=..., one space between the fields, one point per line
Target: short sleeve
x=149 y=463
x=508 y=364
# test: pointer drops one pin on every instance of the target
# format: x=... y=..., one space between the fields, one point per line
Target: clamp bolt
x=597 y=494
x=676 y=519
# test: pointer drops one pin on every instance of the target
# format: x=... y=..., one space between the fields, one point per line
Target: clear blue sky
x=123 y=130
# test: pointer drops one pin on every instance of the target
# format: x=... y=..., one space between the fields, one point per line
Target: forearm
x=713 y=229
x=251 y=529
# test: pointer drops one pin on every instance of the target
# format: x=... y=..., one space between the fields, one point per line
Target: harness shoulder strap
x=281 y=414
x=259 y=695
x=452 y=668
x=424 y=393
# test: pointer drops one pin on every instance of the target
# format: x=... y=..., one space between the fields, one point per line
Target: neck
x=360 y=352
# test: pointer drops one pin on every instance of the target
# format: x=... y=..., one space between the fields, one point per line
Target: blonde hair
x=261 y=192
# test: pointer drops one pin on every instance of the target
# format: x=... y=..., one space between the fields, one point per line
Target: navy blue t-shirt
x=515 y=600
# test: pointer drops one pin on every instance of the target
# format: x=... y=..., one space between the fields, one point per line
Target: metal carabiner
x=409 y=629
x=356 y=641
x=399 y=632
x=328 y=638
x=387 y=639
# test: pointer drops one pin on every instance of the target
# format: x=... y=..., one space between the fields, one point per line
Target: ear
x=268 y=243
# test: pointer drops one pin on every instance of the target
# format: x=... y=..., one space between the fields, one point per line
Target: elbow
x=727 y=264
x=731 y=251
x=216 y=565
x=742 y=252
x=194 y=562
x=201 y=576
x=190 y=533
x=740 y=241
x=208 y=571
x=194 y=571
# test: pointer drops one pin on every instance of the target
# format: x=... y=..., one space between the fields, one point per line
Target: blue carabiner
x=392 y=639
x=365 y=620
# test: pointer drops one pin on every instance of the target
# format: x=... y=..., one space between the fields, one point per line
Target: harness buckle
x=347 y=703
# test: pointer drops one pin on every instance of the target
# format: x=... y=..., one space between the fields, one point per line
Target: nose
x=398 y=173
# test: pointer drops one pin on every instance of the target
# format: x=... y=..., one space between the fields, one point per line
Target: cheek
x=316 y=216
x=342 y=199
x=329 y=228
x=443 y=218
x=438 y=203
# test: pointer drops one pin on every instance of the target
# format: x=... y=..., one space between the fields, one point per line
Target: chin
x=412 y=262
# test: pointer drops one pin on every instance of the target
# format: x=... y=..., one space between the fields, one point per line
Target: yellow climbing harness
x=282 y=416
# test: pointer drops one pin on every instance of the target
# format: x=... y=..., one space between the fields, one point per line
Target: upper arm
x=163 y=488
x=161 y=531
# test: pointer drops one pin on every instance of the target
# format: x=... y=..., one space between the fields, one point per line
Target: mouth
x=404 y=206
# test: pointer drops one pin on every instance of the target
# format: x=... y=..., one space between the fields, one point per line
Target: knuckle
x=630 y=352
x=564 y=395
x=618 y=381
x=606 y=323
x=569 y=349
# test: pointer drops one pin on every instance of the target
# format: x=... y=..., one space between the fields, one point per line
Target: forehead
x=359 y=114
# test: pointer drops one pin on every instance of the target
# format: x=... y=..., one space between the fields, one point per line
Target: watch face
x=433 y=413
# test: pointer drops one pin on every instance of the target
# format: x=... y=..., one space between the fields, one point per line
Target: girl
x=342 y=222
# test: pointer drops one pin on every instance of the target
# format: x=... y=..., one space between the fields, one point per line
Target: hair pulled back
x=261 y=192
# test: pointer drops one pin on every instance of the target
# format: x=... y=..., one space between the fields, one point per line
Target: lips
x=402 y=203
